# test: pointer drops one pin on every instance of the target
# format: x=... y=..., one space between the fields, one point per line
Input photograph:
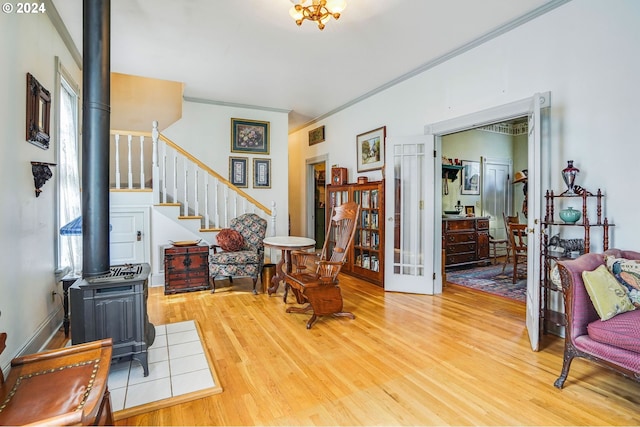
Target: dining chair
x=518 y=239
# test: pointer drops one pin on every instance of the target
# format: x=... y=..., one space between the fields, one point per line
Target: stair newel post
x=142 y=184
x=185 y=179
x=129 y=163
x=155 y=173
x=117 y=159
x=273 y=218
x=216 y=207
x=206 y=200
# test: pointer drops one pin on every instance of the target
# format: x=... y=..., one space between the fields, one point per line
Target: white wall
x=29 y=43
x=583 y=52
x=205 y=131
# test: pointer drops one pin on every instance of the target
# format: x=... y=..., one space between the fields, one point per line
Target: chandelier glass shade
x=319 y=11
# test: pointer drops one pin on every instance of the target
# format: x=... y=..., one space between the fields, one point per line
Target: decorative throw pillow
x=230 y=240
x=609 y=297
x=627 y=272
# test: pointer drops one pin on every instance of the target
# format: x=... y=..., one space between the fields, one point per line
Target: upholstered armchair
x=242 y=252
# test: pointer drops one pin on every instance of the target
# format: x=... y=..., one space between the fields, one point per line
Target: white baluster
x=226 y=206
x=117 y=158
x=216 y=206
x=185 y=178
x=273 y=218
x=175 y=177
x=164 y=173
x=142 y=184
x=129 y=165
x=206 y=200
x=155 y=172
x=196 y=198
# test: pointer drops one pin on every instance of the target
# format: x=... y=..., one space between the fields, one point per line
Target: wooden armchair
x=319 y=289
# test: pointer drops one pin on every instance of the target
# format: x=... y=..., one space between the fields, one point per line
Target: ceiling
x=250 y=52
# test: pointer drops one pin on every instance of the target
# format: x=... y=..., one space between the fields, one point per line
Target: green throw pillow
x=607 y=295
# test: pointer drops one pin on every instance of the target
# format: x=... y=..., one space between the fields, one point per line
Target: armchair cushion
x=230 y=240
x=622 y=331
x=607 y=295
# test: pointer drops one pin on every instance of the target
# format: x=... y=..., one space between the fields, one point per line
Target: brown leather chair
x=66 y=386
x=319 y=288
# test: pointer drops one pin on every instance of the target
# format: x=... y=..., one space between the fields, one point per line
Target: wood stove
x=114 y=305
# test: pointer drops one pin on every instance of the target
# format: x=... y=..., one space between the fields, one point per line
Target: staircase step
x=190 y=217
x=210 y=230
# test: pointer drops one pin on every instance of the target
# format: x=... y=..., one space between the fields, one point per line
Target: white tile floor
x=177 y=366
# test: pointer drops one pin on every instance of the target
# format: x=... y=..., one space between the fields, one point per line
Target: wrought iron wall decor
x=41 y=174
x=38 y=113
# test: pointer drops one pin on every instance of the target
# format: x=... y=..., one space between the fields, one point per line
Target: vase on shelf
x=569 y=175
x=570 y=215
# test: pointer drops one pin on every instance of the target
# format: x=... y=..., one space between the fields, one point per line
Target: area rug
x=180 y=370
x=490 y=279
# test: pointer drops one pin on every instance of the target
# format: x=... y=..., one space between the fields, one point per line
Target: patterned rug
x=490 y=279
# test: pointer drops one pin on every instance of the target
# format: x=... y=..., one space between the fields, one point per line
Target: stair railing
x=177 y=177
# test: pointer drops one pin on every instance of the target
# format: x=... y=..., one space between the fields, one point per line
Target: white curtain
x=70 y=204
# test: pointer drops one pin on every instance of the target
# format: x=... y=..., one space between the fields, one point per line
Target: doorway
x=316 y=199
x=494 y=149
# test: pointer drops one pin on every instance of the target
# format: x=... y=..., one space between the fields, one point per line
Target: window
x=69 y=201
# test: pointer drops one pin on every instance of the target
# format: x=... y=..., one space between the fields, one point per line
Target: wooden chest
x=186 y=268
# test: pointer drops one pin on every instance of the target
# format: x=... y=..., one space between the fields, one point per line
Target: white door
x=409 y=227
x=496 y=194
x=127 y=237
x=533 y=221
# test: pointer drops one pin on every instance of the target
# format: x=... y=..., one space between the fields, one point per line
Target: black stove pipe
x=96 y=110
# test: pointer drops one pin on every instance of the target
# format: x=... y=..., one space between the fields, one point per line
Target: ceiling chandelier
x=319 y=11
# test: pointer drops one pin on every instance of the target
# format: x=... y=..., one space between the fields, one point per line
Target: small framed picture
x=238 y=171
x=249 y=136
x=470 y=210
x=470 y=177
x=316 y=135
x=370 y=149
x=261 y=173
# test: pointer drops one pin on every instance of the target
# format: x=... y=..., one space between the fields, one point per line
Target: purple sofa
x=614 y=343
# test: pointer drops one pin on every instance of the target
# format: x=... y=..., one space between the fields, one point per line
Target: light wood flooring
x=460 y=358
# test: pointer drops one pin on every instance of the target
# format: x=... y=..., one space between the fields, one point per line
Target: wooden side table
x=65 y=386
x=286 y=244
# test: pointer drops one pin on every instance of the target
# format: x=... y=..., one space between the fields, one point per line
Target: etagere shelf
x=550 y=317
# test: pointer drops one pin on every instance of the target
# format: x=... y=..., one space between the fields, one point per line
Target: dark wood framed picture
x=316 y=135
x=238 y=173
x=38 y=113
x=249 y=136
x=261 y=173
x=470 y=210
x=470 y=177
x=370 y=149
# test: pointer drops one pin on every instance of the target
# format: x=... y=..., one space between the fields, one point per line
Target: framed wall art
x=370 y=149
x=38 y=113
x=470 y=177
x=238 y=172
x=261 y=173
x=249 y=136
x=316 y=135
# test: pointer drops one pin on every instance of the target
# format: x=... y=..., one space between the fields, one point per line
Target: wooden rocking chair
x=319 y=289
